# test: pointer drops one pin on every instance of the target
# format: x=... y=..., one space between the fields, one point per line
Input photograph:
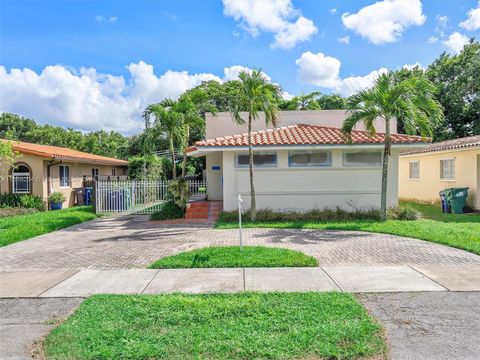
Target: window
x=414 y=169
x=64 y=176
x=313 y=158
x=447 y=169
x=362 y=158
x=94 y=173
x=260 y=159
x=114 y=172
x=21 y=180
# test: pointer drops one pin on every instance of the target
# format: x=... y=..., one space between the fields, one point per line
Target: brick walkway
x=133 y=242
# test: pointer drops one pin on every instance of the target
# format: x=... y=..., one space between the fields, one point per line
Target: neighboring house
x=305 y=163
x=454 y=163
x=40 y=170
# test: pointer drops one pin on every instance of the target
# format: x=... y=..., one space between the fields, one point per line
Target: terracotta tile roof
x=301 y=134
x=61 y=153
x=448 y=145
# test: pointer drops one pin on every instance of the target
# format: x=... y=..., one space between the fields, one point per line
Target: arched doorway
x=21 y=179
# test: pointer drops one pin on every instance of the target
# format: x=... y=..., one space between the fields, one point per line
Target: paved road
x=429 y=326
x=134 y=242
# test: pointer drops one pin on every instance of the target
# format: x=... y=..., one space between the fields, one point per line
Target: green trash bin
x=457 y=198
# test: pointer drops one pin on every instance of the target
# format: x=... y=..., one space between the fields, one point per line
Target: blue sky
x=303 y=45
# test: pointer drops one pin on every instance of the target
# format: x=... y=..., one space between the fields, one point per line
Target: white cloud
x=442 y=20
x=353 y=84
x=333 y=11
x=90 y=100
x=318 y=69
x=344 y=40
x=286 y=95
x=324 y=71
x=275 y=16
x=105 y=19
x=456 y=41
x=385 y=21
x=231 y=73
x=413 y=66
x=473 y=21
x=432 y=39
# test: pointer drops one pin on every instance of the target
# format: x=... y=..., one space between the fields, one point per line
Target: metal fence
x=138 y=197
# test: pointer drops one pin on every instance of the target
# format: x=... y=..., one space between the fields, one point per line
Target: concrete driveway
x=133 y=242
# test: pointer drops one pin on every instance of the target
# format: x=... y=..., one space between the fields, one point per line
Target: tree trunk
x=174 y=168
x=184 y=163
x=386 y=155
x=253 y=205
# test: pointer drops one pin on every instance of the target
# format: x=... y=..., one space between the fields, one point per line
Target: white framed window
x=21 y=180
x=447 y=169
x=64 y=175
x=362 y=158
x=260 y=159
x=414 y=170
x=309 y=158
x=94 y=173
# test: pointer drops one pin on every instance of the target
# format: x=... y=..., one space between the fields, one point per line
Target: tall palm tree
x=256 y=94
x=411 y=99
x=168 y=121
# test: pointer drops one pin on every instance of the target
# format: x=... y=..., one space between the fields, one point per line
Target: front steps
x=207 y=210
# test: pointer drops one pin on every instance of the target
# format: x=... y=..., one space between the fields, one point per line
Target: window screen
x=447 y=169
x=64 y=175
x=362 y=158
x=263 y=159
x=414 y=169
x=314 y=158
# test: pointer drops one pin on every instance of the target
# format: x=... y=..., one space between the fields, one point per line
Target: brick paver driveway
x=133 y=242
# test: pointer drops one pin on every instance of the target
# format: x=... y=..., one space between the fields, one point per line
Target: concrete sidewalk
x=365 y=279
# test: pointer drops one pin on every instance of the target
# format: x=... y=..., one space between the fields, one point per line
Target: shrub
x=403 y=213
x=32 y=202
x=19 y=200
x=168 y=211
x=56 y=198
x=268 y=215
x=178 y=192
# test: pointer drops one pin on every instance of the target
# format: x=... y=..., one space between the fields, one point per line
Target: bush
x=56 y=198
x=268 y=215
x=403 y=213
x=178 y=192
x=168 y=211
x=18 y=200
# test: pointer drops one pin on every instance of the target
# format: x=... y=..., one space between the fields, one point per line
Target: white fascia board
x=203 y=150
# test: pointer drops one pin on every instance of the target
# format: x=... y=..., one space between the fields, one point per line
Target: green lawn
x=233 y=257
x=22 y=227
x=218 y=326
x=460 y=231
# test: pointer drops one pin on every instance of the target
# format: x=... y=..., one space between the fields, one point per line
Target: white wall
x=283 y=188
x=214 y=176
x=222 y=123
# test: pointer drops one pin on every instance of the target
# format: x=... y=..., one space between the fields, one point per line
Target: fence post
x=94 y=195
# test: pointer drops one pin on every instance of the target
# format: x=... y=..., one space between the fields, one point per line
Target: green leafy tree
x=332 y=102
x=258 y=94
x=168 y=121
x=145 y=168
x=457 y=78
x=301 y=102
x=412 y=99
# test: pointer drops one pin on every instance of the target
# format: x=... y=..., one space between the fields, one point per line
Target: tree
x=332 y=102
x=168 y=121
x=412 y=99
x=301 y=102
x=457 y=78
x=257 y=94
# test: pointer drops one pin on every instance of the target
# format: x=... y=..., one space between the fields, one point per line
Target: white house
x=303 y=163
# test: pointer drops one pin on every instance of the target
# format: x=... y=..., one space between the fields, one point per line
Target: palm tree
x=168 y=121
x=256 y=94
x=192 y=106
x=411 y=99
